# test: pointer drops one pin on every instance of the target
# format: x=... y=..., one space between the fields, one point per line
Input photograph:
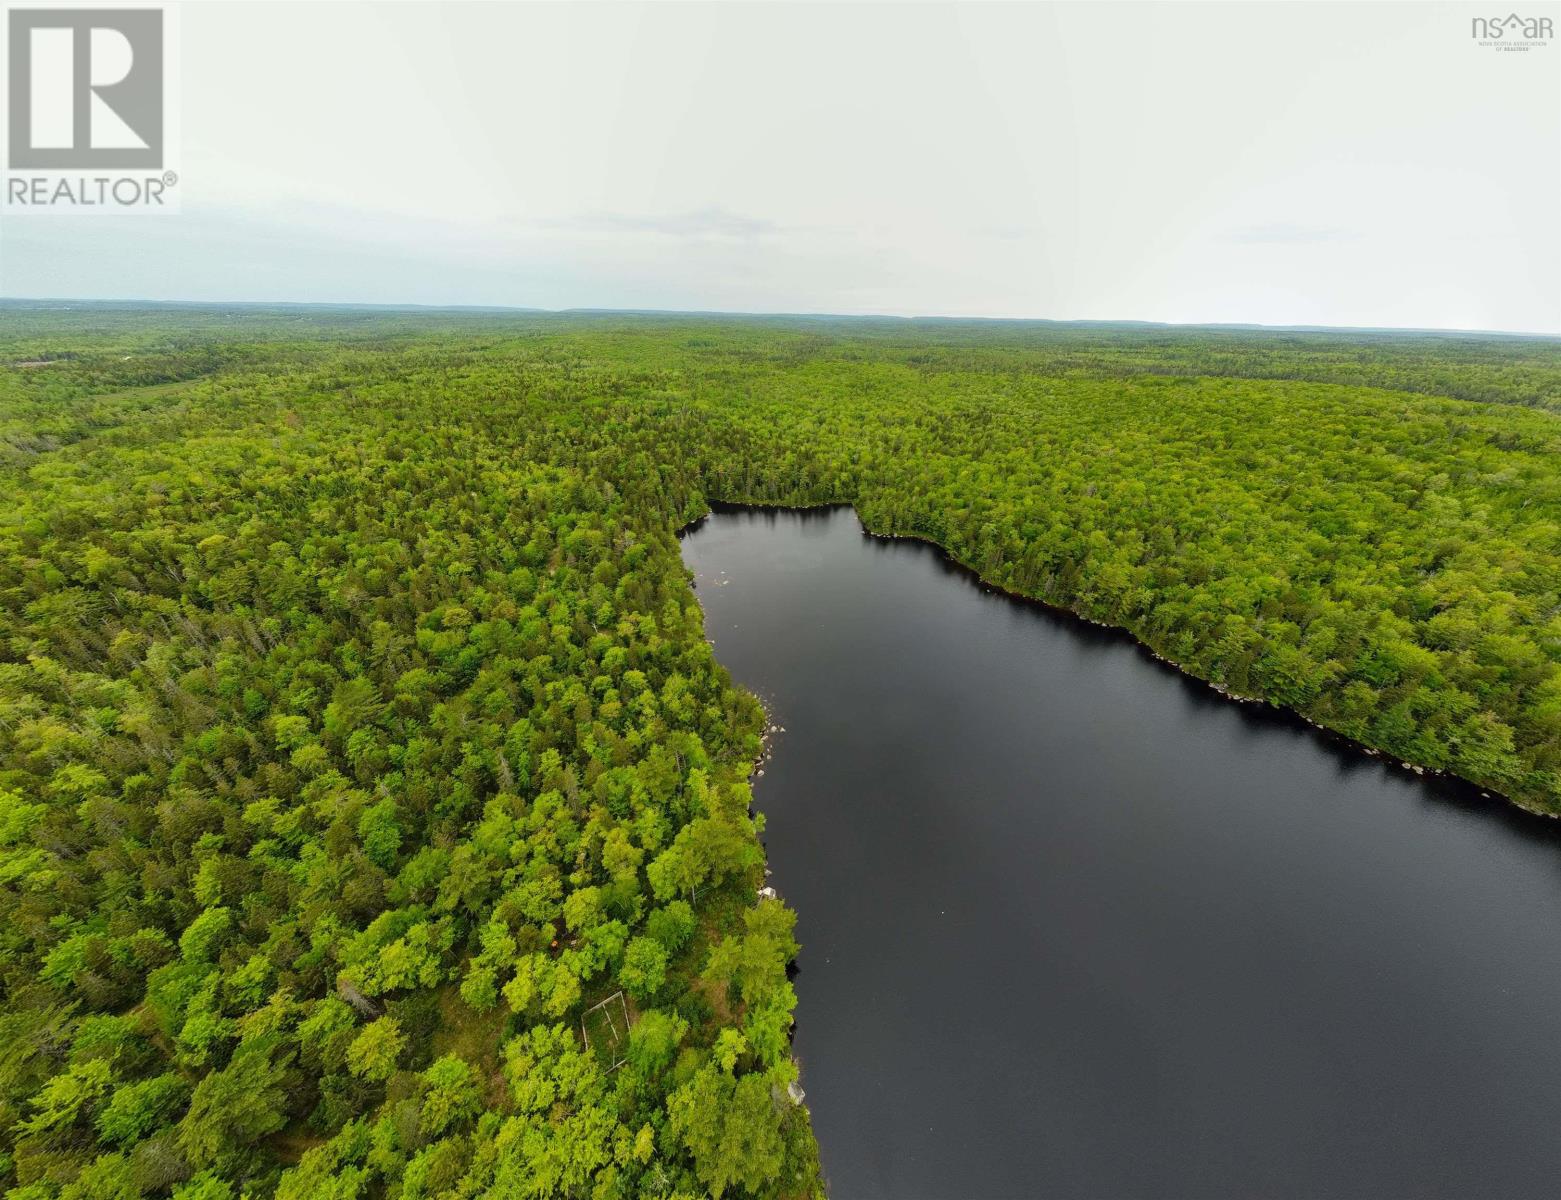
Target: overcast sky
x=1305 y=163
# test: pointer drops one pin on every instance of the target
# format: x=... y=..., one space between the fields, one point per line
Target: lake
x=1075 y=926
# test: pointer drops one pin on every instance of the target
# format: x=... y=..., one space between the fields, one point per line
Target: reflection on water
x=1073 y=925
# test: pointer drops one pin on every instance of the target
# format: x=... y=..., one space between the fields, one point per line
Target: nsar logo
x=1512 y=32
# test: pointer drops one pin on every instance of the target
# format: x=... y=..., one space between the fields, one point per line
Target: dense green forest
x=374 y=815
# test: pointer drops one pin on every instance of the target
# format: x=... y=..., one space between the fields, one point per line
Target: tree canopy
x=359 y=734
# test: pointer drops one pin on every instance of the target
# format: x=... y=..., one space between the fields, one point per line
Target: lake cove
x=1075 y=926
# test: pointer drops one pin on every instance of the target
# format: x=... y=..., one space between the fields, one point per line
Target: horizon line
x=591 y=310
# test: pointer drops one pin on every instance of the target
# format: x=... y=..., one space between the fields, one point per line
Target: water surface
x=1074 y=926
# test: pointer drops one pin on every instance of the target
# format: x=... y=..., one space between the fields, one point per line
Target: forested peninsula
x=374 y=815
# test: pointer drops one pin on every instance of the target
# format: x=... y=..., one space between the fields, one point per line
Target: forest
x=375 y=816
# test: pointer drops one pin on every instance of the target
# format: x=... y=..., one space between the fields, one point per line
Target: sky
x=1279 y=163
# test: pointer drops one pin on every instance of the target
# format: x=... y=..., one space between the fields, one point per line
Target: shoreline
x=796 y=1093
x=1458 y=788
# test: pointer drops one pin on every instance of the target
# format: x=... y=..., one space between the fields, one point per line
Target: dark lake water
x=1074 y=926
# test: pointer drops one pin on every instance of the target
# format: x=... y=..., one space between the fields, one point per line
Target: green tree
x=374 y=1052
